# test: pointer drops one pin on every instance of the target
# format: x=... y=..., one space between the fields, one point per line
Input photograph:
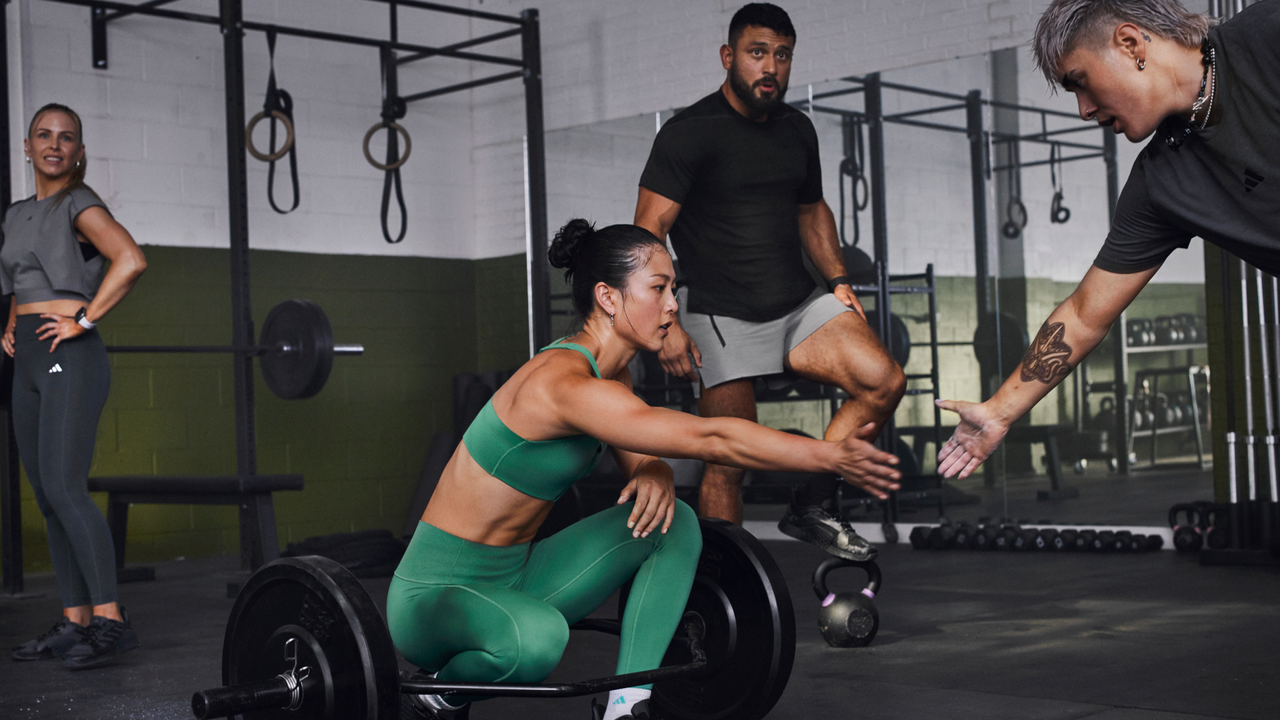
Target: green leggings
x=479 y=613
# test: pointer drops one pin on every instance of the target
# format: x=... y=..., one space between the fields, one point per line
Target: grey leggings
x=57 y=399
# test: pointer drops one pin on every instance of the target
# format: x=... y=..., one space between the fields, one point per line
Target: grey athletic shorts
x=733 y=349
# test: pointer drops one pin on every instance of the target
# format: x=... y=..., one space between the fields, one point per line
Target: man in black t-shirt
x=1211 y=97
x=735 y=180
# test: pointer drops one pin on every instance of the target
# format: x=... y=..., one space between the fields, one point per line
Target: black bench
x=1047 y=434
x=258 y=543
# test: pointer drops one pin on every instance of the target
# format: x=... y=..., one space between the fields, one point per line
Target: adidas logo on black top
x=56 y=368
x=1251 y=180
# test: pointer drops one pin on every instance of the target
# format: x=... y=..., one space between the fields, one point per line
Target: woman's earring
x=1142 y=64
x=610 y=319
x=28 y=159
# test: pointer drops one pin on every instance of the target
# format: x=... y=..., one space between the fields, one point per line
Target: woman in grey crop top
x=471 y=600
x=56 y=244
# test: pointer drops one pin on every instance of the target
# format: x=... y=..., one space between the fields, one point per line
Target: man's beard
x=745 y=93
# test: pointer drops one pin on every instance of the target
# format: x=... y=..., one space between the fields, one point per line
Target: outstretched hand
x=866 y=466
x=977 y=435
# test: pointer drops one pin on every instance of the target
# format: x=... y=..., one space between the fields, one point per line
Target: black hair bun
x=567 y=241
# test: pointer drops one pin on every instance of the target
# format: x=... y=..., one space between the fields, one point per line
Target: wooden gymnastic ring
x=288 y=140
x=408 y=145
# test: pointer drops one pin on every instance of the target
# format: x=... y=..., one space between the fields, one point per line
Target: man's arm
x=822 y=244
x=657 y=214
x=1072 y=331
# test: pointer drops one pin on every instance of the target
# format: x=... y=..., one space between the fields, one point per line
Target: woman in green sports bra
x=472 y=600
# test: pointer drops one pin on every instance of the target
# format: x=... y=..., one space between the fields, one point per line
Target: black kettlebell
x=1186 y=520
x=1106 y=417
x=847 y=619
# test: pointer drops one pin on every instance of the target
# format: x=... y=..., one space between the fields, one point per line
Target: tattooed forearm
x=1048 y=357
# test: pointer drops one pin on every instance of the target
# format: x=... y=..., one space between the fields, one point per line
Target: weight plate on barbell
x=341 y=638
x=301 y=326
x=750 y=638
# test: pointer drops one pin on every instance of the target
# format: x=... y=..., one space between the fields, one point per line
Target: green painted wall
x=360 y=443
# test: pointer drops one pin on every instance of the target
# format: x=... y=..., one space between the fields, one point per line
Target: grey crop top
x=40 y=258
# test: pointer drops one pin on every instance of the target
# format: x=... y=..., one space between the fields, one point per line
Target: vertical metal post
x=978 y=174
x=98 y=36
x=1120 y=358
x=539 y=279
x=10 y=490
x=231 y=14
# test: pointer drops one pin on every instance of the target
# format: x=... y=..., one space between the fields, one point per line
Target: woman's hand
x=977 y=435
x=7 y=340
x=59 y=327
x=866 y=466
x=654 y=490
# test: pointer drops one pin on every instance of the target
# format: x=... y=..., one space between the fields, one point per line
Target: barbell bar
x=295 y=349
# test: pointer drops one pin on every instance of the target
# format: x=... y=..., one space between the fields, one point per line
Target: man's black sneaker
x=639 y=711
x=53 y=643
x=816 y=526
x=104 y=641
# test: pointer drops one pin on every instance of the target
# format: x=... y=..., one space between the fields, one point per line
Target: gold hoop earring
x=1142 y=64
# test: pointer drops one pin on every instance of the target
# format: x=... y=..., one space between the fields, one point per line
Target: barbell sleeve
x=276 y=693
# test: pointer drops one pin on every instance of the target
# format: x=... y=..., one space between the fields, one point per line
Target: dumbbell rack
x=1119 y=390
x=1191 y=372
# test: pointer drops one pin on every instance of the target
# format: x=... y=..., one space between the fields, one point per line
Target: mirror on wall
x=1043 y=193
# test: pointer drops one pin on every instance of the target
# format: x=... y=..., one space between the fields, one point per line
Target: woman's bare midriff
x=472 y=504
x=66 y=308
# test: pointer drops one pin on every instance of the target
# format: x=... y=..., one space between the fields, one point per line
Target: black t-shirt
x=740 y=185
x=1223 y=183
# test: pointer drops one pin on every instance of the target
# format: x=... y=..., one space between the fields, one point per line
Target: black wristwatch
x=83 y=321
x=837 y=281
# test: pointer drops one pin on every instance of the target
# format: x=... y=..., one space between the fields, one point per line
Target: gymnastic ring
x=408 y=145
x=288 y=140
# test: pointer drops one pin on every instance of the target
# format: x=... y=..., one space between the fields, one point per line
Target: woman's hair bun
x=567 y=241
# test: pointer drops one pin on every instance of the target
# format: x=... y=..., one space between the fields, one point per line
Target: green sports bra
x=540 y=468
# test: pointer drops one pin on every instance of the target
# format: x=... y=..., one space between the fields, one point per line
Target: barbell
x=295 y=349
x=305 y=640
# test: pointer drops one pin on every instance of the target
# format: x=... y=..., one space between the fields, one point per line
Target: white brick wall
x=154 y=120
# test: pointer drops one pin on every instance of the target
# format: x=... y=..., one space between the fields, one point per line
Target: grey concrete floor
x=963 y=635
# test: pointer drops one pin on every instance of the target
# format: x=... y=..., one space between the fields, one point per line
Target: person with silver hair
x=1208 y=96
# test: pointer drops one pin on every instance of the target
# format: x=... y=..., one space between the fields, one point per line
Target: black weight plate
x=301 y=326
x=750 y=632
x=341 y=636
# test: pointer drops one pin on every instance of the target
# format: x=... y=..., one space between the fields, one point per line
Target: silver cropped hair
x=1066 y=24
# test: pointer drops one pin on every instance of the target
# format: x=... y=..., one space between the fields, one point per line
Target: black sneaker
x=639 y=711
x=104 y=640
x=54 y=643
x=816 y=526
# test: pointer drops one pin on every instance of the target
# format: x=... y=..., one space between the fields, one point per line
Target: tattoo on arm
x=1048 y=357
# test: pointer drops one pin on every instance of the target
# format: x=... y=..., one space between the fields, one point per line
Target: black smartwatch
x=836 y=282
x=83 y=321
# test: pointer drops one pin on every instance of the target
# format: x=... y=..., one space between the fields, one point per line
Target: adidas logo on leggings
x=56 y=368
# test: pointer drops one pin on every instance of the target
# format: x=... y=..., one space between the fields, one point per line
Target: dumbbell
x=1168 y=412
x=1066 y=540
x=942 y=537
x=1139 y=332
x=1122 y=541
x=1047 y=539
x=1024 y=540
x=1004 y=539
x=1103 y=541
x=1154 y=542
x=1167 y=331
x=1190 y=328
x=984 y=538
x=964 y=536
x=919 y=537
x=1084 y=540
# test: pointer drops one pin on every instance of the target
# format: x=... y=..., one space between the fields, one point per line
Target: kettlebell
x=1187 y=520
x=1106 y=417
x=847 y=619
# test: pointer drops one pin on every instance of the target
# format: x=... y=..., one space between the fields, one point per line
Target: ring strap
x=279 y=100
x=393 y=108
